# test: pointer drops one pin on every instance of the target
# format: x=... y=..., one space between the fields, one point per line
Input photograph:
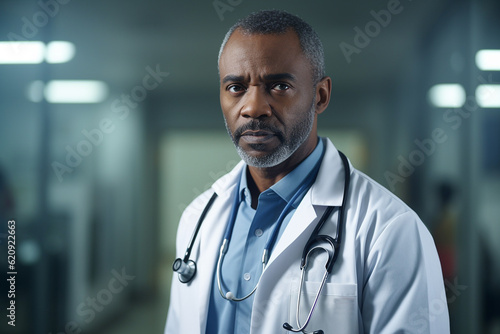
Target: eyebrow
x=267 y=77
x=230 y=77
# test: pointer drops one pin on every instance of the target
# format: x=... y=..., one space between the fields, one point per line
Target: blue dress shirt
x=242 y=265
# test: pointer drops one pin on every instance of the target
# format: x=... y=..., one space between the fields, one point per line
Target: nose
x=256 y=104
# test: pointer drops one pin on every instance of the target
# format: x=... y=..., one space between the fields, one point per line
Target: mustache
x=257 y=126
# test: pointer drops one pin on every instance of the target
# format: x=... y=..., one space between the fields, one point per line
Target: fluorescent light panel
x=447 y=95
x=21 y=52
x=488 y=96
x=488 y=60
x=75 y=91
x=36 y=52
x=59 y=52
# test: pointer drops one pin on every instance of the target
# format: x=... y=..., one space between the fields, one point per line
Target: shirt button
x=246 y=277
x=258 y=232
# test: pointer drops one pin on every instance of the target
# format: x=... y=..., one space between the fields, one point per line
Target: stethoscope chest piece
x=185 y=270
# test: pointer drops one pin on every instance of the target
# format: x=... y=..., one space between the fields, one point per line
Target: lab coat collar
x=328 y=189
x=228 y=181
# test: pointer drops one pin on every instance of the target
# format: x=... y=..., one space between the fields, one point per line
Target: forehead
x=247 y=54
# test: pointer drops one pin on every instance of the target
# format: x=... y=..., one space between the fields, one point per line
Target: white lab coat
x=387 y=278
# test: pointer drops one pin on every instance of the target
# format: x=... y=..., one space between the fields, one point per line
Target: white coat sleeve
x=403 y=285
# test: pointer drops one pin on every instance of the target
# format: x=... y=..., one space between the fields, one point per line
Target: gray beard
x=298 y=135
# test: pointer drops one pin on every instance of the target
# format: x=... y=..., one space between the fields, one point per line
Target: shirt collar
x=287 y=186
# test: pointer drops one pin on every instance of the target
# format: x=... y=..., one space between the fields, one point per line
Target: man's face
x=267 y=97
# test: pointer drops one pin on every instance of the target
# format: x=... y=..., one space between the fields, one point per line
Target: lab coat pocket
x=336 y=310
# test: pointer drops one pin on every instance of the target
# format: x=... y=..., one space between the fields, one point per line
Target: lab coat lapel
x=303 y=217
x=211 y=235
x=327 y=190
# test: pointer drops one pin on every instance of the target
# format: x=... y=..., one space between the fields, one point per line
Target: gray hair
x=278 y=22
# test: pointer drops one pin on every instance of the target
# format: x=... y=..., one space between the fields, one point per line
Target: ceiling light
x=59 y=52
x=21 y=52
x=35 y=52
x=447 y=95
x=488 y=96
x=75 y=91
x=488 y=60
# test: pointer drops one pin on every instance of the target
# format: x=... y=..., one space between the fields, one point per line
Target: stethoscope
x=186 y=268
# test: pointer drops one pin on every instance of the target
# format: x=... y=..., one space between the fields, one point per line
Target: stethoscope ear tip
x=287 y=326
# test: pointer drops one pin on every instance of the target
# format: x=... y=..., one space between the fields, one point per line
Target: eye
x=235 y=89
x=280 y=86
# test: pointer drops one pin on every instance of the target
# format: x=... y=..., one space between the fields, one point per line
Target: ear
x=323 y=93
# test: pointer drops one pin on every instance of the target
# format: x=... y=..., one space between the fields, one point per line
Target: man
x=386 y=278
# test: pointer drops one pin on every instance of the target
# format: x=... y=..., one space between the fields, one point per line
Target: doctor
x=386 y=277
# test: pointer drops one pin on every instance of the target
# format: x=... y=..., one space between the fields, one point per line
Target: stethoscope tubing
x=186 y=268
x=198 y=225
